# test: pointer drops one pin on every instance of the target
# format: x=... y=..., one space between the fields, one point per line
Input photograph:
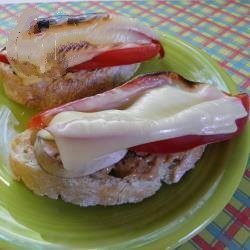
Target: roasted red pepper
x=121 y=56
x=115 y=57
x=4 y=59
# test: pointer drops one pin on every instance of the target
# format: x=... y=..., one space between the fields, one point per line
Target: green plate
x=169 y=218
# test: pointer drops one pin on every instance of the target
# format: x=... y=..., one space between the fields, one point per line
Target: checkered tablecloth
x=220 y=29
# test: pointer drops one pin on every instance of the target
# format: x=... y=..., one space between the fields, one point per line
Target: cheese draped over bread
x=158 y=114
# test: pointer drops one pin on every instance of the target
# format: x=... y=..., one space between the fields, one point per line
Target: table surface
x=220 y=29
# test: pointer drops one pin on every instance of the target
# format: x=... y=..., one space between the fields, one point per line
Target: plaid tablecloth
x=220 y=29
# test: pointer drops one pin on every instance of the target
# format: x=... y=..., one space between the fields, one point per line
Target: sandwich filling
x=161 y=113
x=72 y=43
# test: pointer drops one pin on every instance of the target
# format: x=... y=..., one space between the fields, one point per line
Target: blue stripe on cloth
x=242 y=197
x=218 y=233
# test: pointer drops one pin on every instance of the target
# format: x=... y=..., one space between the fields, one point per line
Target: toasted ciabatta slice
x=50 y=92
x=134 y=178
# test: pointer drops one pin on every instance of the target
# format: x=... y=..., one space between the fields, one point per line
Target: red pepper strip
x=122 y=56
x=111 y=99
x=4 y=59
x=115 y=57
x=183 y=143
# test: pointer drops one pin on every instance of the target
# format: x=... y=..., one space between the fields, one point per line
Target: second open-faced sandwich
x=49 y=61
x=119 y=146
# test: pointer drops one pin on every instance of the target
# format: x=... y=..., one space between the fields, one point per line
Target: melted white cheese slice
x=161 y=113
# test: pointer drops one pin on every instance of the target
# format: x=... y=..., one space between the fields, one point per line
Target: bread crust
x=49 y=92
x=100 y=188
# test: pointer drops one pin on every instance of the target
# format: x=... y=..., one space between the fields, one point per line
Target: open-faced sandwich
x=54 y=60
x=121 y=145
